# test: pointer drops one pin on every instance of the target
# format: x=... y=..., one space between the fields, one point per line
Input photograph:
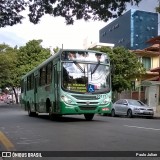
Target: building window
x=116 y=26
x=148 y=28
x=153 y=19
x=146 y=62
x=141 y=18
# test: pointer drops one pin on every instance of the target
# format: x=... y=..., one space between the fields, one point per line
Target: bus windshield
x=86 y=73
x=84 y=56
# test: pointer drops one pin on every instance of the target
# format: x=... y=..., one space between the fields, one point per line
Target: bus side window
x=28 y=83
x=49 y=73
x=32 y=81
x=42 y=77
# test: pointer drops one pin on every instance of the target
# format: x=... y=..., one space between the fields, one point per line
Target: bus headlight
x=106 y=100
x=66 y=99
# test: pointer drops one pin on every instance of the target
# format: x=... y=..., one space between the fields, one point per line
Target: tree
x=7 y=64
x=14 y=63
x=125 y=67
x=158 y=7
x=10 y=11
x=55 y=50
x=8 y=60
x=30 y=56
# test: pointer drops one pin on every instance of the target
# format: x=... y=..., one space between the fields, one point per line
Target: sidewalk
x=156 y=115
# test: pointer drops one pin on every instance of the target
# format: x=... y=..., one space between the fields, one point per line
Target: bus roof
x=55 y=56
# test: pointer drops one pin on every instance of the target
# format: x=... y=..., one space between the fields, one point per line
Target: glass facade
x=131 y=30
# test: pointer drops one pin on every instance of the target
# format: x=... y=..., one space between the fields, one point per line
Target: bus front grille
x=87 y=107
x=85 y=97
x=91 y=103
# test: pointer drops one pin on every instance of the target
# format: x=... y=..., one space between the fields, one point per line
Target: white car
x=8 y=100
x=131 y=108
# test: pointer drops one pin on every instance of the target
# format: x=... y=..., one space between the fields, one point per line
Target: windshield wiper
x=95 y=67
x=79 y=67
x=92 y=72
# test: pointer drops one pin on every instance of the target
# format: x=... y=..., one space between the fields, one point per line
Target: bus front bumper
x=75 y=109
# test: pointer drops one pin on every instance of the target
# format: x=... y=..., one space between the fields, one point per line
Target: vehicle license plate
x=147 y=113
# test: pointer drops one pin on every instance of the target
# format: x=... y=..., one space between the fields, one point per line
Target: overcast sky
x=55 y=33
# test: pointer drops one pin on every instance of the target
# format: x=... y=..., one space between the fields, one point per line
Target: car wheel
x=150 y=117
x=129 y=113
x=113 y=113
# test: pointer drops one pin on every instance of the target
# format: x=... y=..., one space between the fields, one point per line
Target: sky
x=55 y=33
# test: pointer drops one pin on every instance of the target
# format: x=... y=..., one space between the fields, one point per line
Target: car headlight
x=66 y=99
x=136 y=109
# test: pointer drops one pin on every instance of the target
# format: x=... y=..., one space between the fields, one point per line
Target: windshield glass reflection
x=84 y=77
x=84 y=56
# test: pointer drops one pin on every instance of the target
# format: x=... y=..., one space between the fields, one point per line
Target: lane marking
x=6 y=142
x=155 y=129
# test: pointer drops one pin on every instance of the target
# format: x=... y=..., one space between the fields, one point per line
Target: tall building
x=131 y=30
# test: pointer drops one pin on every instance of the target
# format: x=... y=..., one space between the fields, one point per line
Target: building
x=147 y=87
x=131 y=30
x=99 y=45
x=90 y=43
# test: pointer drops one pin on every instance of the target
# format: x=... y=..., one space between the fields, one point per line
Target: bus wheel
x=51 y=116
x=88 y=117
x=30 y=113
x=54 y=116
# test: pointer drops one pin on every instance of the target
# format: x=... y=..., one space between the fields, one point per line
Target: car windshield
x=136 y=103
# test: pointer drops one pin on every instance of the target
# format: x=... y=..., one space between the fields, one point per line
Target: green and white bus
x=70 y=82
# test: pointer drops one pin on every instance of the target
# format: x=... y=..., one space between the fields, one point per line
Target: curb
x=156 y=115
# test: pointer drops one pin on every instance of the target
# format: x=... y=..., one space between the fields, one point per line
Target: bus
x=70 y=82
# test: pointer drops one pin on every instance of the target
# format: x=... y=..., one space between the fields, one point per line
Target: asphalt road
x=73 y=133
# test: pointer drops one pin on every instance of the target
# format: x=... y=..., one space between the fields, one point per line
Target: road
x=19 y=132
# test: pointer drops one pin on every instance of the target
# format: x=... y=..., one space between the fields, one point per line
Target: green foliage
x=125 y=67
x=10 y=10
x=56 y=49
x=8 y=60
x=30 y=56
x=14 y=63
x=158 y=7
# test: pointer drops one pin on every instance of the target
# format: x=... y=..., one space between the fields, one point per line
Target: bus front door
x=55 y=92
x=35 y=93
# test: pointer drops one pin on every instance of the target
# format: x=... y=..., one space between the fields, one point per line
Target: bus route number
x=101 y=96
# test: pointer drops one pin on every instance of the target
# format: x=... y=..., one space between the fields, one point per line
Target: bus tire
x=51 y=116
x=30 y=113
x=88 y=116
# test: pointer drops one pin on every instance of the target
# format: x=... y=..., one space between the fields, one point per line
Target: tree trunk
x=16 y=96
